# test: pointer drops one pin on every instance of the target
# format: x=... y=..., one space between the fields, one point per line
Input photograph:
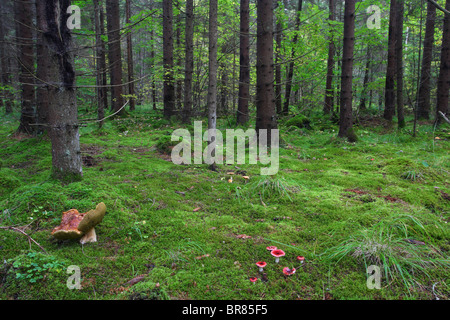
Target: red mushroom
x=288 y=271
x=301 y=259
x=270 y=248
x=261 y=265
x=277 y=253
x=253 y=279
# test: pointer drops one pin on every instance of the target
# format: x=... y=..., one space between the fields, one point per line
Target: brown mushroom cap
x=92 y=218
x=68 y=229
x=74 y=224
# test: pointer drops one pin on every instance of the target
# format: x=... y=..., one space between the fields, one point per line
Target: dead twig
x=25 y=234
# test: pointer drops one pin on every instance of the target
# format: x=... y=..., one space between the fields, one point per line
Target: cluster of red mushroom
x=277 y=253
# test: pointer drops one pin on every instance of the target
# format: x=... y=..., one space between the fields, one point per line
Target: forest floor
x=186 y=232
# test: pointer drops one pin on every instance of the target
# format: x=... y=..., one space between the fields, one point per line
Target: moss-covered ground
x=186 y=232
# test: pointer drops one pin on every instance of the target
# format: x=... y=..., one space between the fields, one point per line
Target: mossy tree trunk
x=63 y=114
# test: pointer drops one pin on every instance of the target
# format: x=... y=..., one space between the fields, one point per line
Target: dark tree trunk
x=115 y=54
x=131 y=90
x=423 y=104
x=292 y=63
x=152 y=57
x=389 y=100
x=102 y=99
x=6 y=68
x=444 y=71
x=189 y=61
x=42 y=54
x=23 y=14
x=399 y=63
x=265 y=98
x=278 y=85
x=362 y=105
x=329 y=91
x=169 y=87
x=63 y=117
x=244 y=70
x=346 y=117
x=179 y=58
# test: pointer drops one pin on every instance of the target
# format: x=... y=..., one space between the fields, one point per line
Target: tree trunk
x=63 y=114
x=169 y=88
x=6 y=68
x=346 y=118
x=115 y=54
x=102 y=101
x=212 y=87
x=42 y=53
x=399 y=62
x=152 y=57
x=244 y=62
x=278 y=85
x=131 y=90
x=23 y=14
x=362 y=105
x=329 y=91
x=292 y=63
x=444 y=71
x=265 y=99
x=189 y=61
x=389 y=100
x=423 y=104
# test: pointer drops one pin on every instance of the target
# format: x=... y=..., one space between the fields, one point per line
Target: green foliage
x=388 y=244
x=34 y=267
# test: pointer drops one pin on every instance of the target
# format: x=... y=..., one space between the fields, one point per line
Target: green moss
x=194 y=235
x=299 y=121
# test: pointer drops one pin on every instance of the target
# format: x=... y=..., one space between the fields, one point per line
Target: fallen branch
x=22 y=232
x=439 y=7
x=443 y=116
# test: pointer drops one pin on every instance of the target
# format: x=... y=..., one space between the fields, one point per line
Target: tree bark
x=102 y=99
x=63 y=114
x=389 y=100
x=265 y=98
x=130 y=64
x=423 y=105
x=292 y=63
x=362 y=105
x=244 y=62
x=278 y=85
x=23 y=14
x=444 y=70
x=189 y=61
x=42 y=54
x=212 y=86
x=169 y=88
x=329 y=91
x=115 y=54
x=399 y=63
x=346 y=118
x=6 y=68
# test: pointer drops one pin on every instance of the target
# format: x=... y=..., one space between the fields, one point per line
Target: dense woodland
x=308 y=67
x=253 y=61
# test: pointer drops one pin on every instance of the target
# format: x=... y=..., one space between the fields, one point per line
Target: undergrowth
x=186 y=232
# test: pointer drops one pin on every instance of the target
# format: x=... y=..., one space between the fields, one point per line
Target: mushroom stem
x=261 y=269
x=90 y=236
x=277 y=259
